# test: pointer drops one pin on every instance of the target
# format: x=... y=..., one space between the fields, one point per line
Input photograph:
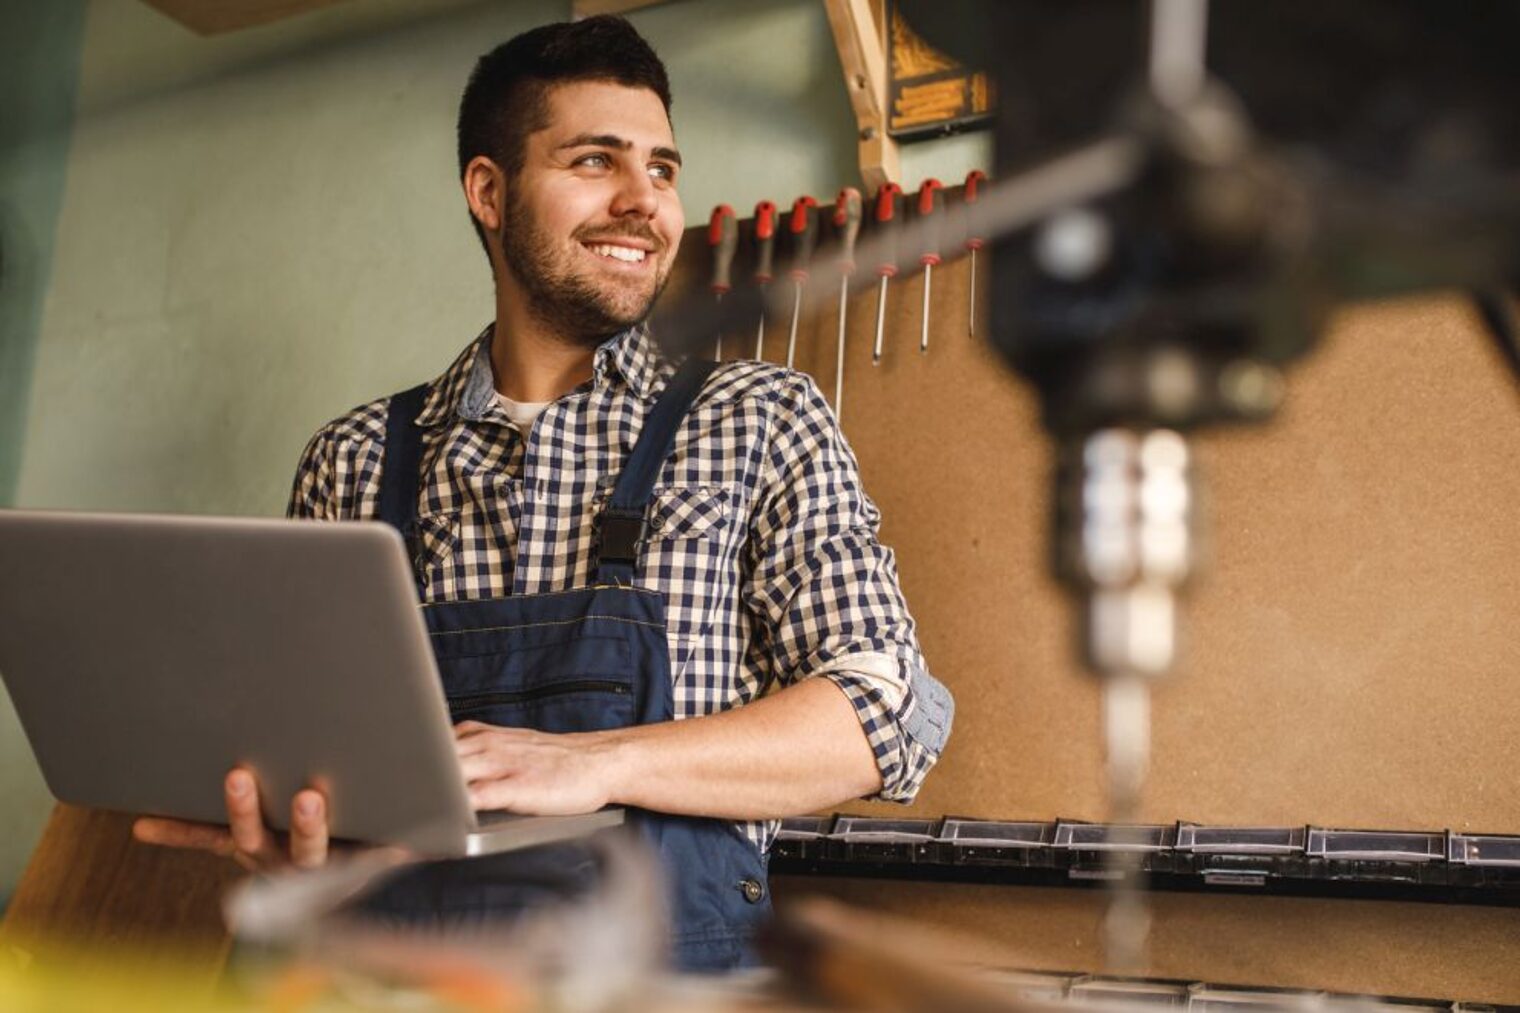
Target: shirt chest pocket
x=688 y=556
x=685 y=513
x=436 y=538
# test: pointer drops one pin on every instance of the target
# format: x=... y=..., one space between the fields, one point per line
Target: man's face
x=592 y=224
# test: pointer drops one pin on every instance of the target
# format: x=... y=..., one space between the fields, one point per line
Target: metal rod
x=844 y=298
x=791 y=341
x=1179 y=38
x=881 y=321
x=923 y=341
x=971 y=310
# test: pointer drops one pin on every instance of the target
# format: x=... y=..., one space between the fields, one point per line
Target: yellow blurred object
x=55 y=978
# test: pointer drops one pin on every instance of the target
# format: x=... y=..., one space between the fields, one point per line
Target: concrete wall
x=259 y=231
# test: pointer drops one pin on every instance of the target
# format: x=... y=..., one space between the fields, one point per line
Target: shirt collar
x=467 y=389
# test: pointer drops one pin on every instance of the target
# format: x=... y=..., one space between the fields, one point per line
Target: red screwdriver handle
x=974 y=180
x=931 y=202
x=803 y=225
x=723 y=237
x=765 y=241
x=886 y=224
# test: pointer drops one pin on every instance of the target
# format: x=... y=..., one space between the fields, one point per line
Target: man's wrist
x=619 y=756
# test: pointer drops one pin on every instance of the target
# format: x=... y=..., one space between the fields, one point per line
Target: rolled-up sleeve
x=824 y=592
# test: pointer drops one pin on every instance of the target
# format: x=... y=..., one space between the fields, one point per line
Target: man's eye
x=663 y=170
x=595 y=161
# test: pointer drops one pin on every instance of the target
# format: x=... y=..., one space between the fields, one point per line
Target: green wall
x=261 y=230
x=39 y=64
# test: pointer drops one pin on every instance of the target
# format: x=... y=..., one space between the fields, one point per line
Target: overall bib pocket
x=583 y=683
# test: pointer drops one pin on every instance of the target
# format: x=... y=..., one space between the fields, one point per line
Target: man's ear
x=485 y=189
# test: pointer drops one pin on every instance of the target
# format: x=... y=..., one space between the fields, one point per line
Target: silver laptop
x=147 y=655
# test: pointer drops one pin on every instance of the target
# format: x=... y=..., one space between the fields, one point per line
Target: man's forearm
x=792 y=752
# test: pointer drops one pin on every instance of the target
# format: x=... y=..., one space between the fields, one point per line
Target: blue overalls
x=586 y=659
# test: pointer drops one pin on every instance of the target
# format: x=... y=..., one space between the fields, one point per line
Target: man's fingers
x=483 y=765
x=308 y=829
x=243 y=817
x=181 y=834
x=486 y=795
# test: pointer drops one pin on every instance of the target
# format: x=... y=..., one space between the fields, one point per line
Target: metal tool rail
x=1434 y=866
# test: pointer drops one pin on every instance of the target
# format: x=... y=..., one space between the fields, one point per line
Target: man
x=562 y=469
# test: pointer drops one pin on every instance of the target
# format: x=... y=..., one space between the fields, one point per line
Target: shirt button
x=753 y=890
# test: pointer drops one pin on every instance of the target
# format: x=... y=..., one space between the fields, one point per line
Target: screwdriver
x=723 y=237
x=974 y=239
x=931 y=203
x=886 y=225
x=765 y=246
x=804 y=229
x=847 y=225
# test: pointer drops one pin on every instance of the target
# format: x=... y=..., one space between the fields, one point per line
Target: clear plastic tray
x=866 y=830
x=993 y=834
x=1375 y=846
x=1106 y=837
x=1241 y=840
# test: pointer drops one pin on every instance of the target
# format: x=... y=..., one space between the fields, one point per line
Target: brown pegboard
x=1351 y=653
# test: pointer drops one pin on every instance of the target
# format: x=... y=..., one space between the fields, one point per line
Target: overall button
x=753 y=890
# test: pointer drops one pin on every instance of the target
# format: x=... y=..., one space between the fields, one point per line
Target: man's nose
x=635 y=195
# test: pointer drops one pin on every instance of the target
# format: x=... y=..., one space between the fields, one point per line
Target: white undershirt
x=522 y=413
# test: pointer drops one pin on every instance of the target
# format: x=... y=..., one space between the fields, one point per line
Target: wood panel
x=88 y=884
x=1349 y=655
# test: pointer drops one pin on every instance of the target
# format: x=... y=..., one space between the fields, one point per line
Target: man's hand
x=794 y=751
x=533 y=772
x=245 y=839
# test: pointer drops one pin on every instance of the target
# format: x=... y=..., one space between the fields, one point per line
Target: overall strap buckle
x=621 y=532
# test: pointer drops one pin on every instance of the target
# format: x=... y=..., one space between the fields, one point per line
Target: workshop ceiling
x=216 y=17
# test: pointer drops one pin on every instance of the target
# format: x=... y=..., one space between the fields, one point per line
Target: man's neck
x=532 y=364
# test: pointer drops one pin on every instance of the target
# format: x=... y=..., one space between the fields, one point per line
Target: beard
x=585 y=310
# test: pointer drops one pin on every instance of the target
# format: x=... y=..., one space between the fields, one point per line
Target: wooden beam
x=214 y=17
x=586 y=8
x=863 y=57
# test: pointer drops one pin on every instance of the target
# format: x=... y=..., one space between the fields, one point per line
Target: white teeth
x=623 y=253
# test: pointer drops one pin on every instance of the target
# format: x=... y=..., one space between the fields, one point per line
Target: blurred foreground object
x=1286 y=157
x=592 y=951
x=841 y=958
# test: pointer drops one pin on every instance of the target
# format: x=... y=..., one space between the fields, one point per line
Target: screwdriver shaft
x=844 y=298
x=971 y=307
x=760 y=333
x=718 y=341
x=881 y=320
x=923 y=342
x=791 y=340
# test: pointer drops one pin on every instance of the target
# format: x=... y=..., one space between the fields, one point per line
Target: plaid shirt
x=760 y=536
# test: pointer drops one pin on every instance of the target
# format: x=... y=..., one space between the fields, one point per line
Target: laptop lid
x=146 y=655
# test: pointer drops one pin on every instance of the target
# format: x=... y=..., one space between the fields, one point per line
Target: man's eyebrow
x=617 y=143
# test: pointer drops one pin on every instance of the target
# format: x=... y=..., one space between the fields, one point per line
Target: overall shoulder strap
x=399 y=478
x=622 y=520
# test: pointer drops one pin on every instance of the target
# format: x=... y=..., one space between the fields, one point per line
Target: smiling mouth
x=625 y=254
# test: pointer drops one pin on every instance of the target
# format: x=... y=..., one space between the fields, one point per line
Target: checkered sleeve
x=312 y=495
x=338 y=475
x=824 y=592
